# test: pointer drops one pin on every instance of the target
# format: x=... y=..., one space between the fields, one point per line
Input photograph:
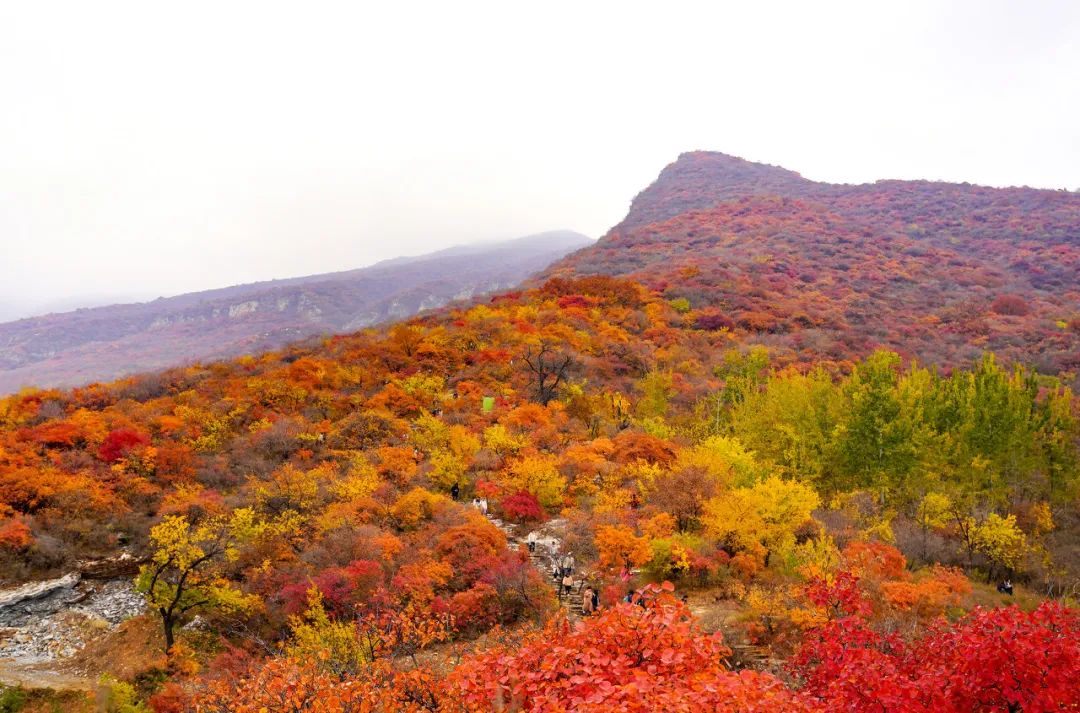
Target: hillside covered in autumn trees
x=794 y=435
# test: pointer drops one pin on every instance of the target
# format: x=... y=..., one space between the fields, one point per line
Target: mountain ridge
x=813 y=269
x=98 y=343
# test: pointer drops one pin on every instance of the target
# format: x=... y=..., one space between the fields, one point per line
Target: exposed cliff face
x=108 y=342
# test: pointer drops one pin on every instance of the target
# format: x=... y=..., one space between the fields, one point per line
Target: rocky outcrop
x=42 y=621
x=123 y=565
x=36 y=597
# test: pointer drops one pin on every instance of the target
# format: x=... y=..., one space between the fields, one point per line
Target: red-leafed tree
x=993 y=660
x=522 y=507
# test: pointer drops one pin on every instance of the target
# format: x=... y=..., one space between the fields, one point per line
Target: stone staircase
x=748 y=656
x=543 y=564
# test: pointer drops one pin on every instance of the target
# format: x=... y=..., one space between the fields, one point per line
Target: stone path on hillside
x=547 y=542
x=744 y=655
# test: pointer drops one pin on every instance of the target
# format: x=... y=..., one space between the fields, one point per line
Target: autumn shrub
x=341 y=588
x=14 y=534
x=172 y=698
x=364 y=429
x=396 y=464
x=538 y=475
x=117 y=444
x=1012 y=305
x=713 y=320
x=603 y=287
x=992 y=660
x=875 y=559
x=759 y=321
x=522 y=506
x=476 y=609
x=632 y=446
x=746 y=565
x=628 y=658
x=415 y=507
x=613 y=593
x=930 y=594
x=620 y=548
x=470 y=550
x=689 y=560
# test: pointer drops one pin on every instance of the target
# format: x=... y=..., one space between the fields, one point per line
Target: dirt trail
x=14 y=673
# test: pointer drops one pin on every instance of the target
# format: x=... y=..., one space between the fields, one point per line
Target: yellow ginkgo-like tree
x=185 y=572
x=765 y=514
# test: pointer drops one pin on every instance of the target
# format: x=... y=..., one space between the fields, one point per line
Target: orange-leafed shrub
x=1012 y=305
x=14 y=534
x=875 y=560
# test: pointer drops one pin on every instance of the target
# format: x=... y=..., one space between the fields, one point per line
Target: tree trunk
x=168 y=624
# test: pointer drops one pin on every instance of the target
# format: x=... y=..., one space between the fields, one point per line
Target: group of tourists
x=562 y=571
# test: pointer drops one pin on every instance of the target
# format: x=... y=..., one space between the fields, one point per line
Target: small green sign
x=489 y=404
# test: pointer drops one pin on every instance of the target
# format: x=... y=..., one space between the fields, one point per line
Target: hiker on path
x=567 y=563
x=567 y=584
x=587 y=605
x=455 y=491
x=530 y=540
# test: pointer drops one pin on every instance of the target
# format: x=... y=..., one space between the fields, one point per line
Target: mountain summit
x=700 y=179
x=936 y=271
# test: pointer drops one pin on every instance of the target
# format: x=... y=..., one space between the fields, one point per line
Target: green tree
x=875 y=441
x=790 y=423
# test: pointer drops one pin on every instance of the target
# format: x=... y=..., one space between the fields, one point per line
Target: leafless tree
x=549 y=368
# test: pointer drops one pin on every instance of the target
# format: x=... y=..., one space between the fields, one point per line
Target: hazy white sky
x=153 y=148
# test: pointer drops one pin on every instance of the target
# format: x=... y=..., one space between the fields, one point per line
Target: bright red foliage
x=630 y=658
x=522 y=507
x=993 y=660
x=119 y=442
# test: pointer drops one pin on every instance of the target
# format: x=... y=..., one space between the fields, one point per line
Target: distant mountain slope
x=107 y=342
x=936 y=271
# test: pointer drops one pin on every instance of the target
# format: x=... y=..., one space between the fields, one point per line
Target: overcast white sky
x=153 y=148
